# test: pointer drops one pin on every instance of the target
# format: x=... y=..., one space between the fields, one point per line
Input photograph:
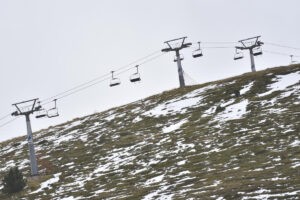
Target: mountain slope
x=232 y=139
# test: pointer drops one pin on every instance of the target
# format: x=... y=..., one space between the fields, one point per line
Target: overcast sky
x=47 y=47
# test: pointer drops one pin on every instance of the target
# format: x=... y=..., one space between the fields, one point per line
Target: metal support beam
x=27 y=111
x=177 y=51
x=32 y=156
x=180 y=71
x=252 y=60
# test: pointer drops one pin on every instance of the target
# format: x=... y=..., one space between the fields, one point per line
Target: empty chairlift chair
x=114 y=81
x=136 y=76
x=198 y=52
x=53 y=112
x=257 y=51
x=238 y=54
x=41 y=112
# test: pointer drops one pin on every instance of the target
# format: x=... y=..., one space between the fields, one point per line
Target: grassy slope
x=206 y=158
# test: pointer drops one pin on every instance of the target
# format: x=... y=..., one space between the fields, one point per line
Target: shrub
x=13 y=181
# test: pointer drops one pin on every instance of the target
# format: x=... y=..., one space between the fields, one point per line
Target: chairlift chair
x=114 y=81
x=136 y=76
x=257 y=51
x=41 y=112
x=180 y=56
x=53 y=112
x=198 y=52
x=292 y=60
x=238 y=54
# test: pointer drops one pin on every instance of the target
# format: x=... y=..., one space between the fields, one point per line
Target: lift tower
x=254 y=46
x=176 y=45
x=29 y=109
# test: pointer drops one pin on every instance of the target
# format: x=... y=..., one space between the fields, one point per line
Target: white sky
x=47 y=47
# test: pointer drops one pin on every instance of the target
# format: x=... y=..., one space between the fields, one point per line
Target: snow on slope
x=282 y=82
x=179 y=148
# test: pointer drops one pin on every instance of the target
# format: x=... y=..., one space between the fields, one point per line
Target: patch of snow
x=155 y=180
x=173 y=106
x=47 y=183
x=8 y=165
x=267 y=196
x=71 y=198
x=179 y=104
x=138 y=171
x=235 y=111
x=277 y=159
x=73 y=124
x=182 y=147
x=283 y=81
x=295 y=165
x=136 y=110
x=64 y=138
x=296 y=143
x=246 y=88
x=294 y=90
x=102 y=168
x=83 y=138
x=277 y=179
x=184 y=173
x=181 y=162
x=174 y=127
x=153 y=195
x=212 y=151
x=137 y=119
x=209 y=111
x=23 y=164
x=68 y=164
x=224 y=104
x=110 y=117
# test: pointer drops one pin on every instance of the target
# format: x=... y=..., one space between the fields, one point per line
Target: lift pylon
x=27 y=111
x=254 y=46
x=177 y=45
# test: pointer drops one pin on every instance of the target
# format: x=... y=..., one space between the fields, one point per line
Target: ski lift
x=136 y=76
x=180 y=56
x=238 y=55
x=53 y=112
x=292 y=60
x=114 y=81
x=198 y=52
x=257 y=51
x=41 y=112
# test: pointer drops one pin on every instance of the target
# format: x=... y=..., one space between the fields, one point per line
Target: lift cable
x=283 y=46
x=10 y=121
x=95 y=79
x=91 y=82
x=100 y=78
x=4 y=117
x=219 y=42
x=108 y=78
x=227 y=47
x=280 y=53
x=189 y=79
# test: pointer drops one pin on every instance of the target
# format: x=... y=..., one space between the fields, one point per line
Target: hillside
x=236 y=138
